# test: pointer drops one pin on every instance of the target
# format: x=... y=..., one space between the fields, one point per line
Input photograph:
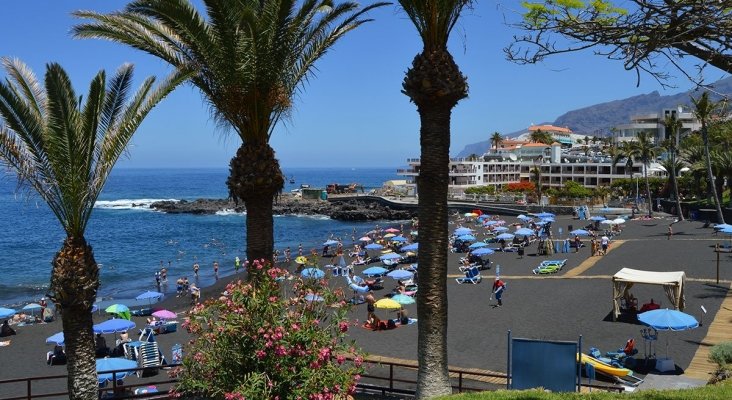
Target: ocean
x=130 y=241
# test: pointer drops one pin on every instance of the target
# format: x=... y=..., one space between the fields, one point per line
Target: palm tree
x=250 y=58
x=496 y=140
x=435 y=84
x=536 y=178
x=539 y=136
x=673 y=127
x=644 y=150
x=65 y=149
x=723 y=160
x=703 y=110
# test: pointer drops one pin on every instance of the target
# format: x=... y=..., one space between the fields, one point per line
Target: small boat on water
x=292 y=179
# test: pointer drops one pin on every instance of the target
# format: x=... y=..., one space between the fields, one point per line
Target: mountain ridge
x=598 y=119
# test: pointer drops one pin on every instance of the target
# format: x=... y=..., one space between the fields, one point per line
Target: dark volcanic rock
x=353 y=210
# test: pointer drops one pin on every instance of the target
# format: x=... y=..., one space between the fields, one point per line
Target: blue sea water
x=130 y=240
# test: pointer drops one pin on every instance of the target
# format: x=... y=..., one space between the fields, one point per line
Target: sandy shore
x=558 y=307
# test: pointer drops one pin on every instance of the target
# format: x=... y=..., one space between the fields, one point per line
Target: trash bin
x=323 y=195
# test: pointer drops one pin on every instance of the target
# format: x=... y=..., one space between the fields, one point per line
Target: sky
x=351 y=113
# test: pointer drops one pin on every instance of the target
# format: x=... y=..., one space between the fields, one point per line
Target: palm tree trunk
x=260 y=228
x=74 y=284
x=648 y=192
x=675 y=184
x=710 y=176
x=433 y=379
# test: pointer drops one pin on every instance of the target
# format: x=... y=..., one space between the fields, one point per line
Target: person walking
x=577 y=243
x=216 y=268
x=498 y=287
x=593 y=247
x=237 y=264
x=196 y=267
x=670 y=232
x=604 y=242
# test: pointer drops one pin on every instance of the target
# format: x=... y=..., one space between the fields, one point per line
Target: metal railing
x=32 y=386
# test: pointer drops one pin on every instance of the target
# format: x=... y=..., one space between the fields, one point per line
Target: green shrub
x=721 y=353
x=256 y=343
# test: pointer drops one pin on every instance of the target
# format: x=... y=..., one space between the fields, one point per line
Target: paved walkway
x=720 y=330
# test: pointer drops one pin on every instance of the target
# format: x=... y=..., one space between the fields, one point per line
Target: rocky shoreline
x=349 y=210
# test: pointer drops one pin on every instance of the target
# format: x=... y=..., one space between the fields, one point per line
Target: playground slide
x=604 y=367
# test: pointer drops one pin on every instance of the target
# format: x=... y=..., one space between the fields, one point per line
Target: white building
x=653 y=123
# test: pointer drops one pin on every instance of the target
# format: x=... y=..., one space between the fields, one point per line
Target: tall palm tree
x=723 y=160
x=644 y=150
x=250 y=58
x=673 y=128
x=496 y=140
x=435 y=84
x=704 y=109
x=65 y=149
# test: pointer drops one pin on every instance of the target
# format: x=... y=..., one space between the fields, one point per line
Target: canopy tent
x=672 y=282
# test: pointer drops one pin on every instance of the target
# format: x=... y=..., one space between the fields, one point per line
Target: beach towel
x=5 y=343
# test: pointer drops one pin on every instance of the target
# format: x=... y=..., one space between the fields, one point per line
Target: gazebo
x=672 y=282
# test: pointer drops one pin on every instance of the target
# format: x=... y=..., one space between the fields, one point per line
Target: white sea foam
x=310 y=216
x=128 y=204
x=229 y=211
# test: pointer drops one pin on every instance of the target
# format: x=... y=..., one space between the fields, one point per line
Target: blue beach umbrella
x=400 y=274
x=579 y=232
x=477 y=245
x=375 y=271
x=524 y=232
x=521 y=216
x=466 y=238
x=411 y=247
x=114 y=364
x=57 y=338
x=403 y=299
x=490 y=223
x=330 y=242
x=500 y=229
x=548 y=219
x=149 y=295
x=374 y=246
x=6 y=312
x=390 y=256
x=117 y=309
x=719 y=227
x=399 y=239
x=32 y=307
x=545 y=215
x=483 y=251
x=727 y=231
x=114 y=326
x=463 y=231
x=668 y=320
x=542 y=223
x=413 y=267
x=598 y=218
x=505 y=236
x=312 y=273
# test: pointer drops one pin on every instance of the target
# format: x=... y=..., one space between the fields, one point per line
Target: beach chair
x=471 y=276
x=549 y=267
x=150 y=358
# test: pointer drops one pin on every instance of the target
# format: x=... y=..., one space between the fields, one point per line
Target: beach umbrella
x=606 y=222
x=545 y=215
x=372 y=232
x=57 y=338
x=302 y=260
x=466 y=238
x=579 y=232
x=483 y=216
x=164 y=314
x=149 y=295
x=117 y=309
x=330 y=242
x=6 y=312
x=483 y=251
x=597 y=218
x=365 y=239
x=389 y=236
x=477 y=245
x=727 y=231
x=391 y=230
x=413 y=267
x=490 y=223
x=548 y=219
x=400 y=239
x=500 y=222
x=463 y=231
x=541 y=223
x=668 y=320
x=32 y=307
x=403 y=299
x=500 y=229
x=720 y=227
x=374 y=246
x=390 y=256
x=95 y=308
x=388 y=304
x=521 y=216
x=375 y=271
x=114 y=326
x=470 y=214
x=618 y=221
x=114 y=364
x=312 y=273
x=311 y=297
x=524 y=232
x=400 y=274
x=505 y=236
x=410 y=247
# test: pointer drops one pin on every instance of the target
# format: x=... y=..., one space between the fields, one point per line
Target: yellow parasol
x=388 y=304
x=302 y=260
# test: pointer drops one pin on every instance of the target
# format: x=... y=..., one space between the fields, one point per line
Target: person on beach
x=186 y=284
x=237 y=264
x=498 y=287
x=43 y=305
x=604 y=242
x=288 y=255
x=195 y=294
x=593 y=247
x=216 y=268
x=577 y=243
x=157 y=278
x=670 y=232
x=179 y=287
x=164 y=273
x=299 y=250
x=196 y=267
x=6 y=330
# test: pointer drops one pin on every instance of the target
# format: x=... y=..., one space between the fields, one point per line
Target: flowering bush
x=267 y=339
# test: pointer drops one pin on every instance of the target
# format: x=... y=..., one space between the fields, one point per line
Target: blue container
x=323 y=195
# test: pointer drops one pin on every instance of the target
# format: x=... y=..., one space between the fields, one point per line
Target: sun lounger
x=549 y=267
x=471 y=276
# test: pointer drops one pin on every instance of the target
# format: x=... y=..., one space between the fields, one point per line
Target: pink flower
x=358 y=361
x=233 y=396
x=295 y=327
x=343 y=326
x=260 y=354
x=340 y=359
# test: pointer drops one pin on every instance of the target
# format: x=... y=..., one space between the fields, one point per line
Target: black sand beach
x=556 y=307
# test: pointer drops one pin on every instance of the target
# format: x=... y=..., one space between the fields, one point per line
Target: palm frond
x=434 y=19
